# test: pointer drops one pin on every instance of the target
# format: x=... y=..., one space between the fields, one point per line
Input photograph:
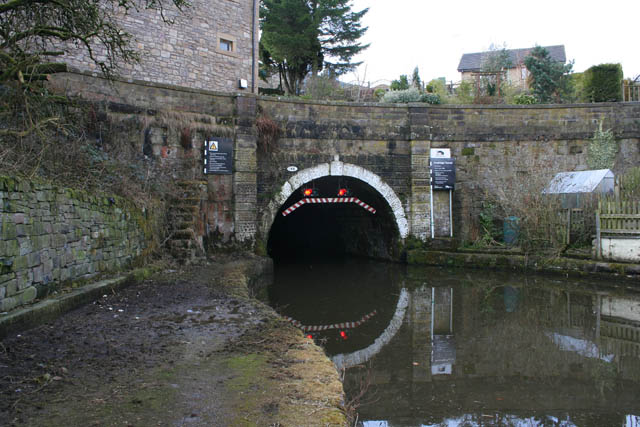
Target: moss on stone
x=140 y=274
x=515 y=261
x=260 y=248
x=411 y=243
x=246 y=369
x=9 y=230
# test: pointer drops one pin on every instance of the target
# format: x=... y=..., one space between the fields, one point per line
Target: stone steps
x=185 y=245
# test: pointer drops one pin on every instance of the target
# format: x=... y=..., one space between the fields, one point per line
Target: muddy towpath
x=187 y=347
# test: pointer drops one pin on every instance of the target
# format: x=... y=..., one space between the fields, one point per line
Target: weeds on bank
x=536 y=219
x=361 y=393
x=82 y=145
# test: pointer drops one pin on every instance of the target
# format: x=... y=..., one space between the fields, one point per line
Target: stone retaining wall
x=226 y=215
x=493 y=146
x=51 y=237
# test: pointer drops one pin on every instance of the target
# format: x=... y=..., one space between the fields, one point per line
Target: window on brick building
x=226 y=45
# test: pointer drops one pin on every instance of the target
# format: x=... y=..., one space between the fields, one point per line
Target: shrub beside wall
x=603 y=83
x=410 y=95
x=51 y=237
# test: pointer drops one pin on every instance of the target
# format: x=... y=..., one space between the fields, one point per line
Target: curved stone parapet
x=347 y=360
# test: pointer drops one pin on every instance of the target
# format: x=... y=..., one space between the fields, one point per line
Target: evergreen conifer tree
x=549 y=79
x=415 y=79
x=304 y=36
x=401 y=84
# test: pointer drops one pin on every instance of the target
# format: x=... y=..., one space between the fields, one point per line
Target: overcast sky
x=433 y=35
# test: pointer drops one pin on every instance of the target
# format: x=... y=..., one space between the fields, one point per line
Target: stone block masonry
x=189 y=52
x=51 y=237
x=492 y=145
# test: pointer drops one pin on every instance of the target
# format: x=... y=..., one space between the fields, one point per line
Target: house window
x=226 y=45
x=524 y=73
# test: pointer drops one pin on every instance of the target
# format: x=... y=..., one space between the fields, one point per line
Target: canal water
x=435 y=347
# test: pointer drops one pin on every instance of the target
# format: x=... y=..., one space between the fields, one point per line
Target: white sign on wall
x=444 y=153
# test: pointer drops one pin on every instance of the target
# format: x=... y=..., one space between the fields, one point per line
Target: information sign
x=443 y=173
x=218 y=156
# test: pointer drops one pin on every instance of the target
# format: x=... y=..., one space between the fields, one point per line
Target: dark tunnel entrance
x=334 y=230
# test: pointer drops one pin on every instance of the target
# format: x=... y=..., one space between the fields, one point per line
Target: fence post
x=598 y=243
x=568 y=236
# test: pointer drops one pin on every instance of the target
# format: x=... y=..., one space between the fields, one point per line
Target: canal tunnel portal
x=333 y=228
x=366 y=221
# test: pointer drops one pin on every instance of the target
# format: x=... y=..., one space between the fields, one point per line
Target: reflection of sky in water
x=538 y=347
x=469 y=420
x=582 y=347
x=511 y=420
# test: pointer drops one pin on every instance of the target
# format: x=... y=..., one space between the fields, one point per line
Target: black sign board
x=443 y=173
x=218 y=156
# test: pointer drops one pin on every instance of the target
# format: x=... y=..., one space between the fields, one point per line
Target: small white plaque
x=441 y=153
x=292 y=169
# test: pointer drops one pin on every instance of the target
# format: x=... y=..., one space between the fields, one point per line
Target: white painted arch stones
x=338 y=168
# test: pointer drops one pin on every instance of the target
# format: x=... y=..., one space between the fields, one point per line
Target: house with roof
x=472 y=63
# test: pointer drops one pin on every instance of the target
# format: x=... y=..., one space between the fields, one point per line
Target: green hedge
x=603 y=83
x=410 y=95
x=270 y=92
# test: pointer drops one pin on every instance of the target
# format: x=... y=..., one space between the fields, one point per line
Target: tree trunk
x=287 y=84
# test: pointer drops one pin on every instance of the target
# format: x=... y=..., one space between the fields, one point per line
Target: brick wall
x=163 y=111
x=391 y=141
x=50 y=237
x=187 y=53
x=495 y=146
x=491 y=144
x=531 y=122
x=373 y=136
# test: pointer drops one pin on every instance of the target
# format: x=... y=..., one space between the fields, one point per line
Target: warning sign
x=218 y=156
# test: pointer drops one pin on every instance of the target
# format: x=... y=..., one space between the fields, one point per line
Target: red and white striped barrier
x=318 y=328
x=328 y=200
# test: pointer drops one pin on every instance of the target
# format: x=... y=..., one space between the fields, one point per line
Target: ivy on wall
x=602 y=149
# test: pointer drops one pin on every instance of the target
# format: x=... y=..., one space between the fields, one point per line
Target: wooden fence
x=616 y=218
x=576 y=225
x=630 y=91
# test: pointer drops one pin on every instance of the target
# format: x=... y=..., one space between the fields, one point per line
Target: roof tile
x=474 y=61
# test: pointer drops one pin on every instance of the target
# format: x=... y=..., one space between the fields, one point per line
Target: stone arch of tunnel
x=335 y=229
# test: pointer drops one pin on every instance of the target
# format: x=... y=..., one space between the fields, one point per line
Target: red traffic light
x=343 y=335
x=343 y=192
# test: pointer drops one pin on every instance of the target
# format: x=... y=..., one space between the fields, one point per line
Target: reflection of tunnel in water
x=524 y=348
x=326 y=293
x=336 y=229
